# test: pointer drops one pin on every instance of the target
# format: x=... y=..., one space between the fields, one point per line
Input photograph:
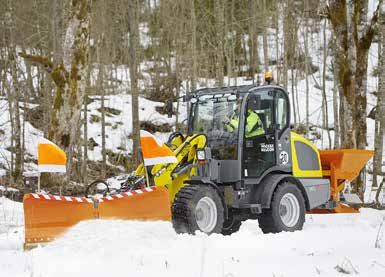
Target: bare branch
x=367 y=38
x=39 y=60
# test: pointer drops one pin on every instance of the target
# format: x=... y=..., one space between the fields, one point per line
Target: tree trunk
x=17 y=125
x=335 y=112
x=103 y=116
x=339 y=21
x=325 y=102
x=276 y=35
x=307 y=95
x=177 y=86
x=29 y=80
x=15 y=91
x=85 y=128
x=229 y=45
x=11 y=104
x=219 y=28
x=380 y=110
x=57 y=30
x=253 y=40
x=70 y=78
x=293 y=98
x=265 y=19
x=193 y=46
x=288 y=40
x=133 y=10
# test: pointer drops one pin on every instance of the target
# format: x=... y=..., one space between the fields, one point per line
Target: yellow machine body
x=296 y=157
x=165 y=174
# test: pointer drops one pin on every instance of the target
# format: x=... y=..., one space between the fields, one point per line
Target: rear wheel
x=287 y=210
x=197 y=208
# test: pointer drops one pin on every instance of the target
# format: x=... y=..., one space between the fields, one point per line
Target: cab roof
x=232 y=90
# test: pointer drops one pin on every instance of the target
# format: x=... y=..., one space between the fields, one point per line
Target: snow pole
x=145 y=167
x=147 y=179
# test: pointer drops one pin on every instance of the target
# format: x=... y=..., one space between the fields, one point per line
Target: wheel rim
x=289 y=210
x=206 y=214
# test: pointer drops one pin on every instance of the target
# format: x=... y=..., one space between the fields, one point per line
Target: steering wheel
x=95 y=184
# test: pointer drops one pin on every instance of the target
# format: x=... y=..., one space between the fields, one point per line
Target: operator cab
x=254 y=117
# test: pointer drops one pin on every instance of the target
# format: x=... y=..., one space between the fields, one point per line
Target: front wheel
x=287 y=210
x=197 y=208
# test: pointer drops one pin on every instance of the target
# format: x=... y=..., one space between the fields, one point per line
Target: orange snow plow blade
x=46 y=217
x=340 y=166
x=137 y=205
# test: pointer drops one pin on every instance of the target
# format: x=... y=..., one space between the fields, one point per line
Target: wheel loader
x=238 y=160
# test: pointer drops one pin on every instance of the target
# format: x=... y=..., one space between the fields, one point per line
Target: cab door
x=259 y=153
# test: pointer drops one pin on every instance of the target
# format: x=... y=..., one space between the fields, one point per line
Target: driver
x=254 y=125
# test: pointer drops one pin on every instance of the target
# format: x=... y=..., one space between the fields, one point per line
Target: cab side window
x=281 y=110
x=259 y=114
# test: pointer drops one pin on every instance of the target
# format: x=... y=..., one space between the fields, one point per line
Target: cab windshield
x=217 y=116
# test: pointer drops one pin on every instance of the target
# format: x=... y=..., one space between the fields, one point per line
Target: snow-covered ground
x=327 y=244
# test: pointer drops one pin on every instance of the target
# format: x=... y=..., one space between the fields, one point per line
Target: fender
x=207 y=182
x=264 y=191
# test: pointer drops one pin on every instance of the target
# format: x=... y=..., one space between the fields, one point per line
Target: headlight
x=201 y=155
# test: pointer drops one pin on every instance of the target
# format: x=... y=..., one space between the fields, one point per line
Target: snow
x=2 y=188
x=120 y=126
x=11 y=215
x=327 y=244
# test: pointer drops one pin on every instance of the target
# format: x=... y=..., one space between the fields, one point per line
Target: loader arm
x=173 y=175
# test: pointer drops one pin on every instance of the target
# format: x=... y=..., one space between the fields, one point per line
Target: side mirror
x=169 y=108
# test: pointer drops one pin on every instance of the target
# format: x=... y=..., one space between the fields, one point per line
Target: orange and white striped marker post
x=50 y=158
x=154 y=152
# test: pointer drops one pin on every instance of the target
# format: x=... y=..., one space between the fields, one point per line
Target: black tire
x=184 y=214
x=231 y=225
x=270 y=221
